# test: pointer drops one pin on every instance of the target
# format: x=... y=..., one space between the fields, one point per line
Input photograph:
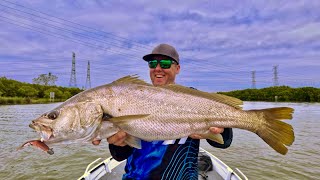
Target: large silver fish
x=153 y=113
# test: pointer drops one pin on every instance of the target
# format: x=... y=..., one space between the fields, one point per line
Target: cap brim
x=149 y=57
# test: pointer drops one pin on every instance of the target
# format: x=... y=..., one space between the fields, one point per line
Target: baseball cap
x=165 y=50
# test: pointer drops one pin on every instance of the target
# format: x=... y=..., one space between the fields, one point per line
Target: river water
x=248 y=152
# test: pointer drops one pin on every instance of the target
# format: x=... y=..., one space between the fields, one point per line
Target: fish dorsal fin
x=234 y=102
x=131 y=79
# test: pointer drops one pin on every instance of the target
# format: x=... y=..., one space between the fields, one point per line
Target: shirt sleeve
x=120 y=153
x=227 y=136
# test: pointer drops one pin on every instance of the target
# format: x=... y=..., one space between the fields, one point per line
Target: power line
x=118 y=37
x=113 y=36
x=61 y=36
x=194 y=63
x=68 y=30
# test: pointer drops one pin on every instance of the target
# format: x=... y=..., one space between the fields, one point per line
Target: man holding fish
x=157 y=160
x=150 y=117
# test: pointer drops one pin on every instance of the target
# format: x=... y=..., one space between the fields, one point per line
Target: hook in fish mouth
x=46 y=132
x=46 y=135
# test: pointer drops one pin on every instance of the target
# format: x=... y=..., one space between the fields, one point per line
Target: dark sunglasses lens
x=153 y=64
x=165 y=64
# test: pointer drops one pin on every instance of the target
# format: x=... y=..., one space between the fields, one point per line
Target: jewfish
x=151 y=113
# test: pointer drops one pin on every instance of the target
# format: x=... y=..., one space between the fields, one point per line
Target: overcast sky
x=220 y=43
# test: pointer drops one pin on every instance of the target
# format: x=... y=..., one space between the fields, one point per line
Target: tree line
x=277 y=93
x=12 y=88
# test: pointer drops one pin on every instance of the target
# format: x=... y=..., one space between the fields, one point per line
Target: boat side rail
x=103 y=167
x=241 y=174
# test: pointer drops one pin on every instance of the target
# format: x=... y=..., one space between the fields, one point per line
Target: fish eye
x=53 y=115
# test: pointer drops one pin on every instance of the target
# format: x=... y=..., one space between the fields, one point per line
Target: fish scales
x=152 y=113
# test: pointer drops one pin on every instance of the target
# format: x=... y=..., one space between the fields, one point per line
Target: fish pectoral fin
x=120 y=120
x=213 y=137
x=133 y=141
x=107 y=129
x=123 y=121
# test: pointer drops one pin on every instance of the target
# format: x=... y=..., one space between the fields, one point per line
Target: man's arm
x=118 y=148
x=227 y=136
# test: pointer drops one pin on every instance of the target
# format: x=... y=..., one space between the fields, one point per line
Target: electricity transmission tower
x=88 y=82
x=73 y=80
x=253 y=73
x=275 y=76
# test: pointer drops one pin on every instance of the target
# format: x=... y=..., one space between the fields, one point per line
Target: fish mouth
x=46 y=136
x=46 y=133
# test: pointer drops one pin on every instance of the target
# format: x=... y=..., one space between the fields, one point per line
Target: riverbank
x=21 y=100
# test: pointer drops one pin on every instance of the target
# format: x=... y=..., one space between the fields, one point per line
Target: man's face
x=161 y=76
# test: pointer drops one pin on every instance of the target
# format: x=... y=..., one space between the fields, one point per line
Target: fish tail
x=276 y=133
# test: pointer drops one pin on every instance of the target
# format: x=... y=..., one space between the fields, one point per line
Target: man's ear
x=177 y=68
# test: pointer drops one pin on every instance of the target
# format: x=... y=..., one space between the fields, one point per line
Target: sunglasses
x=164 y=63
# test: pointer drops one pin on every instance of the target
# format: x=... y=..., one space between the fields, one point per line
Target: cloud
x=220 y=44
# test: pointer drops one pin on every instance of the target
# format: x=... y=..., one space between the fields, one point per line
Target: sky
x=223 y=45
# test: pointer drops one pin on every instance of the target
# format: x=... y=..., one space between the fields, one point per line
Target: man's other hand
x=118 y=138
x=214 y=130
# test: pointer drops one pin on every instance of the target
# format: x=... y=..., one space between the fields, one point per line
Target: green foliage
x=1 y=88
x=284 y=94
x=15 y=92
x=66 y=95
x=57 y=93
x=22 y=92
x=9 y=87
x=27 y=91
